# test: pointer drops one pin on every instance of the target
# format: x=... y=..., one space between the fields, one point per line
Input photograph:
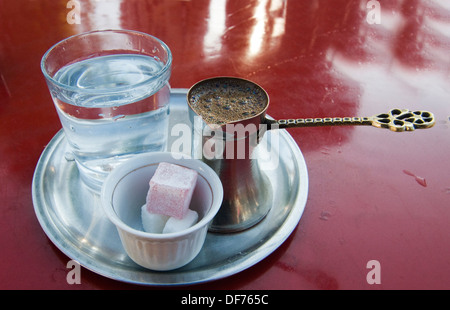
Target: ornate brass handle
x=395 y=120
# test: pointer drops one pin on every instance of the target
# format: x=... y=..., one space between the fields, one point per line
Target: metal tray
x=72 y=217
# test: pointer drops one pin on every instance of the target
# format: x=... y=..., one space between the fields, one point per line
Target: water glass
x=111 y=92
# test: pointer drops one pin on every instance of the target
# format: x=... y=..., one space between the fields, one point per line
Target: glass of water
x=111 y=92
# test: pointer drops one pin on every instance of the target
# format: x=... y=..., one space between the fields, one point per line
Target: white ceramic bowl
x=123 y=194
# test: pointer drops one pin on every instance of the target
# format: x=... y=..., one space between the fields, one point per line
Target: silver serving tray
x=72 y=217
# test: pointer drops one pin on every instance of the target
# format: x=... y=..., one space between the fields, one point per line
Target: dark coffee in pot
x=223 y=101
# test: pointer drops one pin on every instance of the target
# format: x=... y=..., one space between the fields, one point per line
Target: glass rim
x=160 y=73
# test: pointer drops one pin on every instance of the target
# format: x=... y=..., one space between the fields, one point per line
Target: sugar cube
x=171 y=189
x=152 y=222
x=173 y=224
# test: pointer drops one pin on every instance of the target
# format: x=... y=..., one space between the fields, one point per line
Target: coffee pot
x=233 y=122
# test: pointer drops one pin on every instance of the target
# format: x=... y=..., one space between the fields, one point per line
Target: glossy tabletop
x=378 y=209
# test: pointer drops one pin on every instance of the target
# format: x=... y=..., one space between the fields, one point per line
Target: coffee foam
x=223 y=101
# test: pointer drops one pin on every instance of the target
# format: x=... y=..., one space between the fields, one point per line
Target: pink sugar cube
x=171 y=189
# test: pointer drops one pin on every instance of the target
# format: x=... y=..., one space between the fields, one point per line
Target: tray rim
x=290 y=223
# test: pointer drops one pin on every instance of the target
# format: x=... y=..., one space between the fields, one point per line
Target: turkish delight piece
x=173 y=224
x=171 y=189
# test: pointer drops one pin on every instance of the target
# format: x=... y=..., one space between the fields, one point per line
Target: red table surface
x=373 y=194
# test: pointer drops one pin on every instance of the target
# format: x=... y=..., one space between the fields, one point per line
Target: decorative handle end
x=404 y=120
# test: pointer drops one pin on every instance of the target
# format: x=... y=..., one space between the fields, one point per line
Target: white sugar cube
x=173 y=224
x=152 y=222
